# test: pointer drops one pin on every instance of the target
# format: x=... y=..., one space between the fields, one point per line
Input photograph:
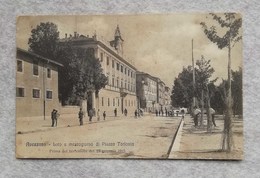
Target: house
x=36 y=84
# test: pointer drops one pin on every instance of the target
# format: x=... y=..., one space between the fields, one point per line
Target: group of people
x=92 y=113
x=197 y=113
x=169 y=113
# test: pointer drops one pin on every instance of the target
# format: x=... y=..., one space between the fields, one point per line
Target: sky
x=158 y=44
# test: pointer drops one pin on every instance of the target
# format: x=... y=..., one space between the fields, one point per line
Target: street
x=120 y=137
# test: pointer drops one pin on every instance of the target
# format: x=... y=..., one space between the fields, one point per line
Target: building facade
x=146 y=91
x=120 y=92
x=36 y=85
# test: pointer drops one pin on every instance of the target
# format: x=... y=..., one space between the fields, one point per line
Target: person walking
x=196 y=114
x=56 y=115
x=53 y=117
x=212 y=112
x=81 y=115
x=115 y=112
x=125 y=112
x=90 y=114
x=156 y=112
x=104 y=115
x=136 y=113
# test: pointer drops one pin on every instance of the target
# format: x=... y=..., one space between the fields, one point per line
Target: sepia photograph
x=150 y=86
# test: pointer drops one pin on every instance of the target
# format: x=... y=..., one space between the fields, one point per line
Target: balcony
x=123 y=92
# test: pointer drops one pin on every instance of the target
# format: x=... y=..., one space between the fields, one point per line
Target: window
x=117 y=66
x=48 y=72
x=19 y=66
x=101 y=57
x=125 y=85
x=113 y=64
x=49 y=94
x=35 y=68
x=113 y=82
x=125 y=102
x=122 y=69
x=117 y=83
x=131 y=74
x=113 y=101
x=128 y=72
x=121 y=84
x=108 y=102
x=19 y=92
x=102 y=101
x=36 y=93
x=107 y=60
x=125 y=70
x=118 y=102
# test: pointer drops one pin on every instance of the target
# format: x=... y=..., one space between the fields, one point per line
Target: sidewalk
x=38 y=124
x=197 y=143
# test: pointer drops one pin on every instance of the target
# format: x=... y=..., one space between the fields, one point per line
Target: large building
x=120 y=92
x=152 y=93
x=36 y=85
x=146 y=91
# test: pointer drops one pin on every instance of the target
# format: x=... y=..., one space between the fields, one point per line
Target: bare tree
x=232 y=23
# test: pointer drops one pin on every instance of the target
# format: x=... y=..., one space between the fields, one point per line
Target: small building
x=36 y=85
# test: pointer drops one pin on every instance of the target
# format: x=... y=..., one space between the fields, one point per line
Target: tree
x=182 y=91
x=203 y=74
x=237 y=92
x=81 y=75
x=232 y=24
x=44 y=39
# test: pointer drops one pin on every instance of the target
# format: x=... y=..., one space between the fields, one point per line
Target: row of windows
x=128 y=86
x=116 y=102
x=35 y=67
x=36 y=93
x=118 y=66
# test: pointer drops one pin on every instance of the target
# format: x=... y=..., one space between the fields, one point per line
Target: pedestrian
x=53 y=117
x=212 y=112
x=81 y=115
x=166 y=113
x=162 y=112
x=90 y=114
x=125 y=112
x=196 y=114
x=115 y=112
x=56 y=115
x=136 y=113
x=159 y=112
x=156 y=112
x=98 y=115
x=104 y=115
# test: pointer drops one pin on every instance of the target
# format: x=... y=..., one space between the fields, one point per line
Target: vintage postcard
x=130 y=86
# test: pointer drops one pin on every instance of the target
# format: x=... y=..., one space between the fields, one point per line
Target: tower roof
x=117 y=31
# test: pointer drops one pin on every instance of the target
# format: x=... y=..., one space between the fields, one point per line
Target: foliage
x=231 y=23
x=237 y=95
x=182 y=91
x=82 y=73
x=44 y=39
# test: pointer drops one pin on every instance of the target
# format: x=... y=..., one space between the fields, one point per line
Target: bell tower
x=118 y=41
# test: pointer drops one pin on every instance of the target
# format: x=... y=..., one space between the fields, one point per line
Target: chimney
x=75 y=34
x=66 y=35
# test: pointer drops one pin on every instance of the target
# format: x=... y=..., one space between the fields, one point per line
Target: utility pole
x=193 y=75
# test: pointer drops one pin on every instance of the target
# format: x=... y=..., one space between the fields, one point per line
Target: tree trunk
x=228 y=136
x=202 y=108
x=209 y=116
